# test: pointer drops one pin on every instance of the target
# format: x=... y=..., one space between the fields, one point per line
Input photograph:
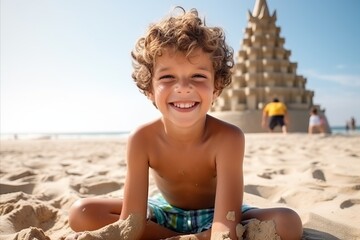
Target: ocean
x=78 y=135
x=343 y=130
x=113 y=135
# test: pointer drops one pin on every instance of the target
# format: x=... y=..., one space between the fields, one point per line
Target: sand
x=318 y=176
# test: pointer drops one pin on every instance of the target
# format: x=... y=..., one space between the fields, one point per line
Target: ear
x=150 y=96
x=216 y=94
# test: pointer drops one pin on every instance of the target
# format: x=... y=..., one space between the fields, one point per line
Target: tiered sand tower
x=263 y=71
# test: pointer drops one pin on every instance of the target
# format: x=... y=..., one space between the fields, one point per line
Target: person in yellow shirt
x=275 y=113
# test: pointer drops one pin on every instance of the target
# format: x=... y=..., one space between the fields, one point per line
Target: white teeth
x=184 y=105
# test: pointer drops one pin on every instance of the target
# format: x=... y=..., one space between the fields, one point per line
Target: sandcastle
x=263 y=71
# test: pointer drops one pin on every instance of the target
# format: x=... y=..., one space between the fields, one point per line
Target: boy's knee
x=288 y=224
x=78 y=215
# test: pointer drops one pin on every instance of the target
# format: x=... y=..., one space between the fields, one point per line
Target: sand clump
x=221 y=236
x=260 y=230
x=252 y=230
x=31 y=233
x=127 y=229
x=230 y=216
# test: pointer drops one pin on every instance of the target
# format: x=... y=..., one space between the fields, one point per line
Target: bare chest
x=183 y=164
x=186 y=180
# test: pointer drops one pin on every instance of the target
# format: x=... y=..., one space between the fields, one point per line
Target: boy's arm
x=131 y=224
x=136 y=182
x=229 y=189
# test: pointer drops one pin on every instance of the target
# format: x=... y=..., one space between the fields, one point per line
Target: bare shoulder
x=225 y=131
x=228 y=142
x=144 y=134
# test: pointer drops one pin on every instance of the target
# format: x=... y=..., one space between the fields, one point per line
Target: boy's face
x=183 y=87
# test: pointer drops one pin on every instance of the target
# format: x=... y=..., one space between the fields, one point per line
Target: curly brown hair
x=185 y=32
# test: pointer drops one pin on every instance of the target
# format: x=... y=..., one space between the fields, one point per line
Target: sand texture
x=318 y=176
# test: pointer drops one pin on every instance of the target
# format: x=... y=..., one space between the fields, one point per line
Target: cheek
x=159 y=91
x=210 y=91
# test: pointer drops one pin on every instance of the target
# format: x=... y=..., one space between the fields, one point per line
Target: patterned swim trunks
x=180 y=220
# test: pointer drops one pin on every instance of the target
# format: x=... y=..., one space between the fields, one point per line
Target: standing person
x=181 y=65
x=274 y=114
x=352 y=123
x=315 y=122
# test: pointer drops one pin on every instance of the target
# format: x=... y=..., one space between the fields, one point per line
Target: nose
x=183 y=86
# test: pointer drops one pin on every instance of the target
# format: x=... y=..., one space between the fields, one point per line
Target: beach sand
x=318 y=176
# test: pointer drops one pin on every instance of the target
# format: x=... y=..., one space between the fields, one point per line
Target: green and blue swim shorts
x=180 y=220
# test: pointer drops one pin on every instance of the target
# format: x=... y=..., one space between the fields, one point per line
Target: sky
x=66 y=65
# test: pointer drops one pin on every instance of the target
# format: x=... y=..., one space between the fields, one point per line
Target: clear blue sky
x=66 y=66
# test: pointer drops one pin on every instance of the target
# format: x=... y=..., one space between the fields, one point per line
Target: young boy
x=196 y=160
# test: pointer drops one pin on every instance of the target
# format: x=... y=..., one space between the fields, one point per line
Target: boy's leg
x=287 y=222
x=93 y=213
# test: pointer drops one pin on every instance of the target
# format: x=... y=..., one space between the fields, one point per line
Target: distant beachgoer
x=352 y=124
x=275 y=113
x=347 y=126
x=316 y=123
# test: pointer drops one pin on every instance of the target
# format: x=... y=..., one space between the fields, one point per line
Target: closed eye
x=166 y=78
x=199 y=77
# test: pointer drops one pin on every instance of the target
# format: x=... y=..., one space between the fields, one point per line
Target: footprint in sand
x=11 y=187
x=252 y=189
x=268 y=174
x=22 y=173
x=319 y=174
x=349 y=203
x=354 y=155
x=96 y=186
x=100 y=187
x=261 y=191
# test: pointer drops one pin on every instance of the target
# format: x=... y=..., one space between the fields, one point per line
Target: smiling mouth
x=186 y=105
